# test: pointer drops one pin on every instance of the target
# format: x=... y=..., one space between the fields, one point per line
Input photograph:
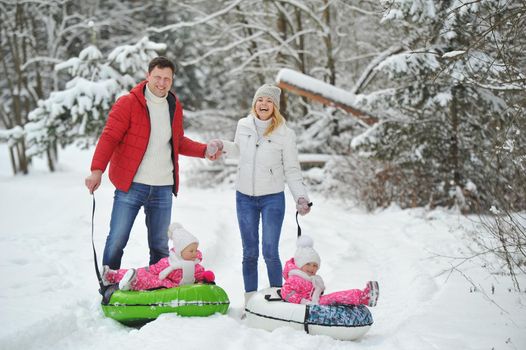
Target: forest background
x=445 y=81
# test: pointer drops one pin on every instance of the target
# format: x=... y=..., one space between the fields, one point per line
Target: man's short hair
x=161 y=62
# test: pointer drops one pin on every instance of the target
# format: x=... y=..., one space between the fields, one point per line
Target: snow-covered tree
x=450 y=97
x=444 y=78
x=78 y=112
x=245 y=43
x=34 y=36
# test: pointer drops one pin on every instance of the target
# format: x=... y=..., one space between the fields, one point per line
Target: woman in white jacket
x=268 y=158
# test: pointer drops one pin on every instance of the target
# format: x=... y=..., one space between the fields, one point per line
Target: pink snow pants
x=350 y=297
x=144 y=280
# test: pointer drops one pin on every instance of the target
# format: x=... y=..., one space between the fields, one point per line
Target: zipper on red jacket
x=172 y=121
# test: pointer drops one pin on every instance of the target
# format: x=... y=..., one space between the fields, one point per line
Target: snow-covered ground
x=49 y=298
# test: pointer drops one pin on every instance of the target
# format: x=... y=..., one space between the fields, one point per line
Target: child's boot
x=127 y=279
x=372 y=291
x=105 y=270
x=106 y=273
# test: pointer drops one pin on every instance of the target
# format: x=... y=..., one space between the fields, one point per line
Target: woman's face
x=264 y=108
x=190 y=252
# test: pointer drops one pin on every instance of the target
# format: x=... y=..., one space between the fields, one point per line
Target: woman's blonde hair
x=277 y=119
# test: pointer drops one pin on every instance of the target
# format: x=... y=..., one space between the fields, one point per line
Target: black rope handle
x=268 y=297
x=97 y=271
x=297 y=222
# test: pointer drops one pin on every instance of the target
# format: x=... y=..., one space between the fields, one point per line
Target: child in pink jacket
x=181 y=267
x=303 y=286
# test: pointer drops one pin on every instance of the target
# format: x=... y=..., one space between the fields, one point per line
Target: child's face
x=190 y=252
x=310 y=268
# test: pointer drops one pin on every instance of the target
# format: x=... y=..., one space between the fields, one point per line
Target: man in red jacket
x=141 y=141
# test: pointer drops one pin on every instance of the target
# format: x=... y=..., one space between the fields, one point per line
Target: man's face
x=160 y=81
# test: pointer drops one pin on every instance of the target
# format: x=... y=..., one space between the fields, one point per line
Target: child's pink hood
x=289 y=265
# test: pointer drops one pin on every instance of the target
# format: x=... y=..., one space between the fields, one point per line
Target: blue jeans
x=157 y=203
x=271 y=208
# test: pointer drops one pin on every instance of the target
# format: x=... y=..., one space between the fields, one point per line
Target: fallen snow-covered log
x=312 y=88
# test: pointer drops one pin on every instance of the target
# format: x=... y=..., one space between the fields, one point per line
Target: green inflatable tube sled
x=139 y=307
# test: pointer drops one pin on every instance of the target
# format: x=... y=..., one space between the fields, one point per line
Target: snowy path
x=49 y=299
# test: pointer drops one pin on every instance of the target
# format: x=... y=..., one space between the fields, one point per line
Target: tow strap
x=307 y=307
x=105 y=291
x=297 y=222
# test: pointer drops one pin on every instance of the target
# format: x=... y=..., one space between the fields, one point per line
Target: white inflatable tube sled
x=268 y=311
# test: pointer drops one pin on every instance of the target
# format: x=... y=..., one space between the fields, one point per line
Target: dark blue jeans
x=157 y=203
x=271 y=209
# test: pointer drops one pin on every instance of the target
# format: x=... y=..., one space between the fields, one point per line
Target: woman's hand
x=303 y=206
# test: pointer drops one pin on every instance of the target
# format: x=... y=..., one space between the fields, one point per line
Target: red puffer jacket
x=125 y=138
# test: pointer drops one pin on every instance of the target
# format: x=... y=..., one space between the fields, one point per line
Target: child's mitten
x=208 y=276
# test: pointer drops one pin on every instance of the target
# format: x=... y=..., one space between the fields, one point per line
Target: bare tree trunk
x=453 y=157
x=12 y=64
x=281 y=25
x=253 y=45
x=328 y=44
x=22 y=165
x=23 y=86
x=51 y=159
x=13 y=160
x=301 y=55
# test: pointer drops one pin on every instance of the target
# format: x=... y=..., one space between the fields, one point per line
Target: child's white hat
x=305 y=252
x=180 y=237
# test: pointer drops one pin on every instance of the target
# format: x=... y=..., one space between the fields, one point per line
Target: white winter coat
x=265 y=165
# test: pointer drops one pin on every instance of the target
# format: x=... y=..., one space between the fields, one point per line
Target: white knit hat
x=305 y=252
x=180 y=237
x=268 y=90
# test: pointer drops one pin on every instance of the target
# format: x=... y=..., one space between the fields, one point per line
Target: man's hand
x=214 y=148
x=93 y=181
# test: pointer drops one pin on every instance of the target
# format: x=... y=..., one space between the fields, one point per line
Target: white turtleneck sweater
x=261 y=126
x=156 y=168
